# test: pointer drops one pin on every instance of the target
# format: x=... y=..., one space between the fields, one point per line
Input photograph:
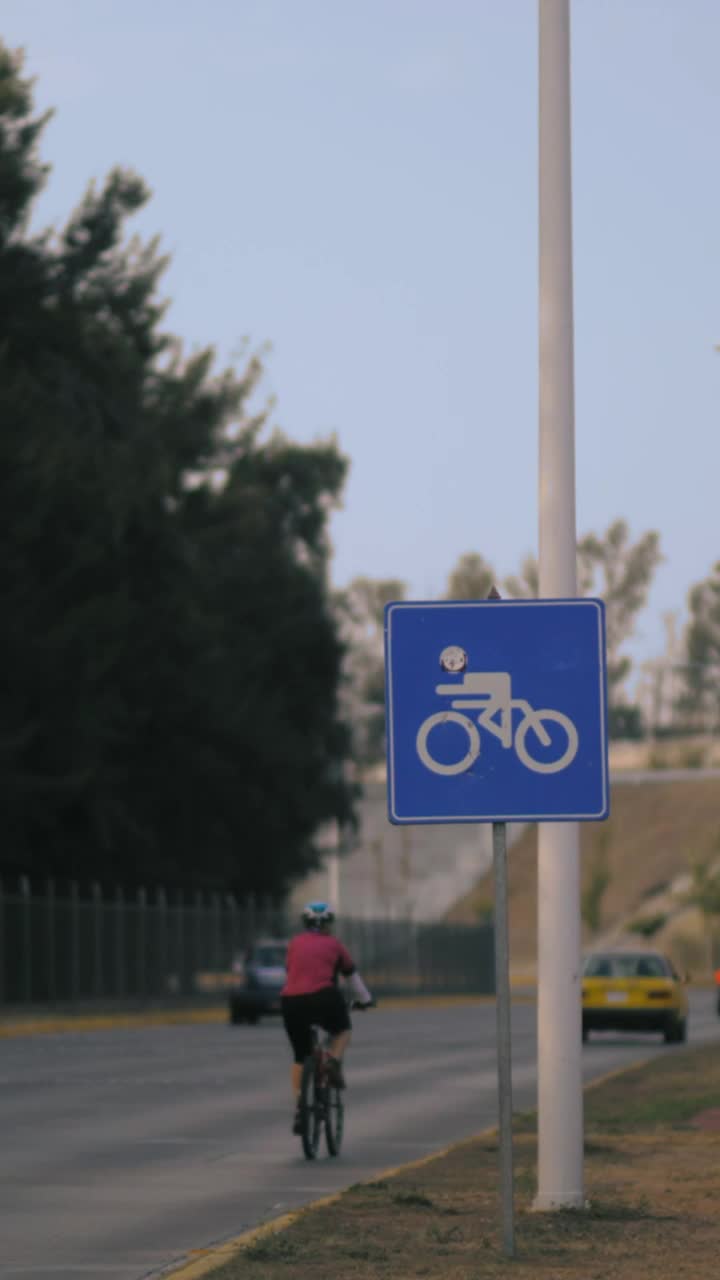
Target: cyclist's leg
x=297 y=1020
x=334 y=1018
x=339 y=1044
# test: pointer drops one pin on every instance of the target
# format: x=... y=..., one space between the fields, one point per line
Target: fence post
x=27 y=975
x=97 y=964
x=119 y=949
x=50 y=942
x=74 y=943
x=141 y=927
x=231 y=931
x=197 y=940
x=2 y=944
x=163 y=950
x=216 y=941
x=413 y=982
x=180 y=942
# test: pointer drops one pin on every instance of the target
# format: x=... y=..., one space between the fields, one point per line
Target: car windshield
x=626 y=967
x=270 y=957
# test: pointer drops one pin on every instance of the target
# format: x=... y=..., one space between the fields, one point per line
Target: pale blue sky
x=356 y=183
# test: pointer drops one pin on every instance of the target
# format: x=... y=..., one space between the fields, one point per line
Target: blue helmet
x=316 y=914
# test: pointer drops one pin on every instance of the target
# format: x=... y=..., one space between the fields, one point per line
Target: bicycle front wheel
x=334 y=1120
x=311 y=1116
x=566 y=747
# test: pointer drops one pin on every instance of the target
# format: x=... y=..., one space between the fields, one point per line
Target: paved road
x=123 y=1150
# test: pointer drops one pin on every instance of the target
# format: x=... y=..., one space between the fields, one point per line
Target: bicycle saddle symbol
x=490 y=693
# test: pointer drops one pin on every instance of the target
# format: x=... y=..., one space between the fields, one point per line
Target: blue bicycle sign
x=468 y=747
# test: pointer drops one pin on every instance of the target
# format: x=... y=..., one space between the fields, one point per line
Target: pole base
x=549 y=1203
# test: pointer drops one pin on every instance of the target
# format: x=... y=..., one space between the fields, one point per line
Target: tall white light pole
x=560 y=1100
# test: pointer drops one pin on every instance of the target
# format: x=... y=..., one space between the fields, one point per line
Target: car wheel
x=585 y=1034
x=252 y=1018
x=236 y=1016
x=676 y=1031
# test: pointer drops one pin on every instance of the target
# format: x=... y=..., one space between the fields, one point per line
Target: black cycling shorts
x=326 y=1009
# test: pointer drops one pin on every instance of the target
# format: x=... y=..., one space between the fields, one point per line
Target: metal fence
x=404 y=956
x=89 y=948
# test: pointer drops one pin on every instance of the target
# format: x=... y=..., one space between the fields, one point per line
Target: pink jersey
x=313 y=961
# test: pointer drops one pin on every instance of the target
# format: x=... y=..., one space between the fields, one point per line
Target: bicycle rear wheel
x=311 y=1116
x=334 y=1120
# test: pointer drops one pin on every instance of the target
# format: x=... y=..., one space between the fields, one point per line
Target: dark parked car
x=259 y=978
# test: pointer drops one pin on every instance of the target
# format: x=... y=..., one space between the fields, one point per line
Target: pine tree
x=170 y=655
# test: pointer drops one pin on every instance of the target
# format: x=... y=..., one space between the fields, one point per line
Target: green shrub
x=648 y=926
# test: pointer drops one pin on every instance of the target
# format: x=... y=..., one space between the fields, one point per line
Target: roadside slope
x=654 y=830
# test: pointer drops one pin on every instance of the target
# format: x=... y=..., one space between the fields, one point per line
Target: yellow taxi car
x=633 y=991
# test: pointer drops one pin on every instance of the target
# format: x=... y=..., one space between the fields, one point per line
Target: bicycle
x=321 y=1103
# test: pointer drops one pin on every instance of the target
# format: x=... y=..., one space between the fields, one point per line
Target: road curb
x=210 y=1259
x=215 y=1256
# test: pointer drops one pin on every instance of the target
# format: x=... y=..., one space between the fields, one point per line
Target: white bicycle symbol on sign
x=491 y=693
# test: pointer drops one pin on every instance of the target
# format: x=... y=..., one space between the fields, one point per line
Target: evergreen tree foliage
x=171 y=659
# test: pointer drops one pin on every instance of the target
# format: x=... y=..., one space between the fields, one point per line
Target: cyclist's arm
x=346 y=966
x=359 y=989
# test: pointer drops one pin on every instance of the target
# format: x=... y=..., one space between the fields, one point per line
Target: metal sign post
x=503 y=1017
x=502 y=1006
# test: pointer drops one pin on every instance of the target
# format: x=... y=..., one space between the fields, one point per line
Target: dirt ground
x=652 y=1180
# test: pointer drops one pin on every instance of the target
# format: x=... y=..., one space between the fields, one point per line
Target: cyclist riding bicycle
x=311 y=996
